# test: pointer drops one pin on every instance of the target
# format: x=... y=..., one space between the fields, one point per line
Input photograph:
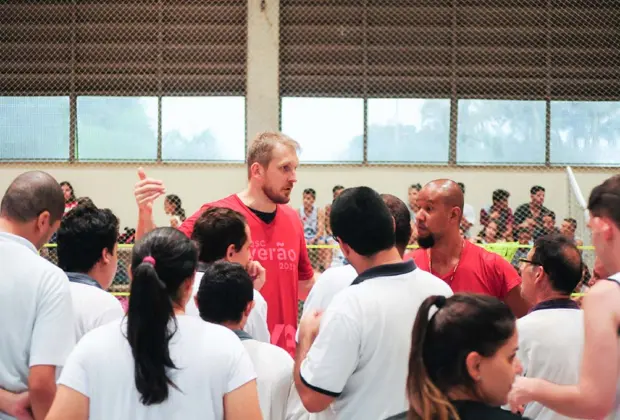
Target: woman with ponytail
x=463 y=359
x=158 y=363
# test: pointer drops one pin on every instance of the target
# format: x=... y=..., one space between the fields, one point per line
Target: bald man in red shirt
x=277 y=235
x=444 y=252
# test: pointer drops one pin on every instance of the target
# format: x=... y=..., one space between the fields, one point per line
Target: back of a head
x=260 y=150
x=29 y=195
x=561 y=261
x=225 y=291
x=215 y=230
x=83 y=235
x=440 y=344
x=361 y=219
x=160 y=263
x=499 y=195
x=604 y=200
x=402 y=218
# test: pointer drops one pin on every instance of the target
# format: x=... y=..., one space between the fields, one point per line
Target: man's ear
x=230 y=252
x=249 y=308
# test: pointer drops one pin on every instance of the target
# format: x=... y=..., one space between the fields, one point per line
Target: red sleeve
x=506 y=277
x=188 y=225
x=305 y=270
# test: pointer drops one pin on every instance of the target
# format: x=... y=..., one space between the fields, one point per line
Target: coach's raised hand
x=146 y=191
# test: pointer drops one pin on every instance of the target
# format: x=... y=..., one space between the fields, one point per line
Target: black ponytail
x=161 y=262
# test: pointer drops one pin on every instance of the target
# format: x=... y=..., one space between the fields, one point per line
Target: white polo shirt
x=210 y=361
x=35 y=311
x=329 y=284
x=277 y=394
x=361 y=353
x=551 y=339
x=93 y=306
x=256 y=324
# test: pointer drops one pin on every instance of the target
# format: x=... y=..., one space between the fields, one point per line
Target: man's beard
x=426 y=241
x=275 y=197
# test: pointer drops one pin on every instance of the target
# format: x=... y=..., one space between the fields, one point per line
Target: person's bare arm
x=42 y=389
x=305 y=287
x=242 y=403
x=146 y=191
x=69 y=405
x=15 y=404
x=516 y=303
x=594 y=395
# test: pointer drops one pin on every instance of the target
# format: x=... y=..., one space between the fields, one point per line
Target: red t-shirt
x=280 y=247
x=479 y=271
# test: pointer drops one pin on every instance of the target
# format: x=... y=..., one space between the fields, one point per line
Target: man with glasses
x=551 y=335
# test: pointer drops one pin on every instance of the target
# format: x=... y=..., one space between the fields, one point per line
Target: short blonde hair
x=261 y=148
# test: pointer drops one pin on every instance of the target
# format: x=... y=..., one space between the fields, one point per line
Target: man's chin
x=426 y=242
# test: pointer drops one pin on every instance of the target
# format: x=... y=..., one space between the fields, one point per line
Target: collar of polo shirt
x=385 y=270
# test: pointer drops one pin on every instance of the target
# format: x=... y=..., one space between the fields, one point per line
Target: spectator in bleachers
x=311 y=217
x=335 y=279
x=225 y=297
x=531 y=214
x=551 y=335
x=332 y=257
x=35 y=300
x=569 y=229
x=524 y=237
x=158 y=363
x=174 y=209
x=463 y=360
x=464 y=266
x=69 y=194
x=490 y=234
x=223 y=234
x=549 y=224
x=499 y=211
x=412 y=205
x=469 y=216
x=352 y=357
x=88 y=253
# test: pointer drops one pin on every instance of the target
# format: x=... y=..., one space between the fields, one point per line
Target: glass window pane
x=585 y=133
x=408 y=130
x=328 y=129
x=116 y=128
x=203 y=128
x=501 y=132
x=34 y=127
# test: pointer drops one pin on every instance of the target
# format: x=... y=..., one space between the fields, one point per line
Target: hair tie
x=440 y=302
x=149 y=260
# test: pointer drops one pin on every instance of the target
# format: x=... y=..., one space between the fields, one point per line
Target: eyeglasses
x=525 y=260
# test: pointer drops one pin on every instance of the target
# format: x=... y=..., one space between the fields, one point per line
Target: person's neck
x=458 y=394
x=547 y=295
x=389 y=256
x=17 y=229
x=308 y=210
x=96 y=275
x=447 y=248
x=535 y=206
x=235 y=326
x=255 y=198
x=178 y=309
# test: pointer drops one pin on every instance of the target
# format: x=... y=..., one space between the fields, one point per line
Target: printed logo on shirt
x=286 y=257
x=283 y=335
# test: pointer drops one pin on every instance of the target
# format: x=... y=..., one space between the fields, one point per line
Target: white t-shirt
x=278 y=396
x=210 y=361
x=329 y=284
x=551 y=341
x=361 y=353
x=615 y=413
x=35 y=311
x=256 y=324
x=93 y=307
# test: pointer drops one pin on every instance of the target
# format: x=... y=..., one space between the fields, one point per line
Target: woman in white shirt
x=158 y=363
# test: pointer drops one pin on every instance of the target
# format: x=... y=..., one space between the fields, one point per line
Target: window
x=203 y=128
x=329 y=130
x=408 y=130
x=34 y=128
x=116 y=128
x=585 y=133
x=501 y=132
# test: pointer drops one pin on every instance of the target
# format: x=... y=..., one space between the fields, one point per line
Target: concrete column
x=262 y=89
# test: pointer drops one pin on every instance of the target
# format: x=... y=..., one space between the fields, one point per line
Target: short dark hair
x=604 y=200
x=85 y=201
x=402 y=219
x=151 y=322
x=440 y=343
x=573 y=222
x=337 y=188
x=310 y=191
x=361 y=219
x=536 y=188
x=461 y=186
x=83 y=235
x=29 y=195
x=550 y=213
x=224 y=293
x=561 y=261
x=417 y=186
x=215 y=230
x=499 y=195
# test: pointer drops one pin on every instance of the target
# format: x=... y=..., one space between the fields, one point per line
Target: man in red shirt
x=277 y=233
x=445 y=253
